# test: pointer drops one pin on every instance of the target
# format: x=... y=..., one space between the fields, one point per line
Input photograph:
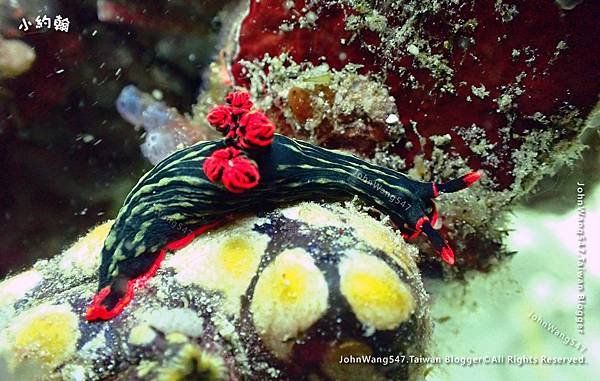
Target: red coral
x=255 y=130
x=232 y=168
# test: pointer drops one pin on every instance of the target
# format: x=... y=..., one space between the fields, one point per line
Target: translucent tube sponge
x=166 y=129
x=131 y=103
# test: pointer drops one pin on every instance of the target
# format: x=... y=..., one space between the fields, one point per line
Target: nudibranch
x=200 y=187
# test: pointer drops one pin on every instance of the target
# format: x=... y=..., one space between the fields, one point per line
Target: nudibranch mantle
x=175 y=201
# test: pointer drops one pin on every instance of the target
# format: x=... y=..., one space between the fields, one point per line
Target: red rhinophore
x=255 y=130
x=239 y=101
x=447 y=255
x=436 y=192
x=97 y=311
x=221 y=117
x=472 y=177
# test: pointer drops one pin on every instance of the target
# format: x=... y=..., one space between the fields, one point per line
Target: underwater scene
x=317 y=190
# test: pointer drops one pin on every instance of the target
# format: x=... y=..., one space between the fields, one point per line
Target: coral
x=479 y=53
x=279 y=295
x=329 y=105
x=433 y=87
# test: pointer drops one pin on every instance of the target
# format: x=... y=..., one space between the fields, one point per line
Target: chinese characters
x=60 y=24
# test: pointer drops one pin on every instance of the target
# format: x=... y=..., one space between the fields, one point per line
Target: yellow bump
x=235 y=257
x=373 y=233
x=290 y=295
x=84 y=255
x=47 y=333
x=312 y=214
x=176 y=337
x=141 y=334
x=145 y=367
x=16 y=287
x=224 y=261
x=381 y=237
x=377 y=295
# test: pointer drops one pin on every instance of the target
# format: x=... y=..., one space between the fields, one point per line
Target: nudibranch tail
x=111 y=300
